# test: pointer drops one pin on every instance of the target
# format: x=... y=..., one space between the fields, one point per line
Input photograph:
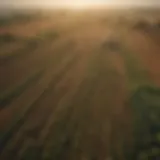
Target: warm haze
x=78 y=3
x=79 y=82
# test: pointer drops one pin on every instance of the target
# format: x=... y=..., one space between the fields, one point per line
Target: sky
x=75 y=3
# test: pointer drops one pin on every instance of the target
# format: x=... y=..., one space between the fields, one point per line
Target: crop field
x=80 y=85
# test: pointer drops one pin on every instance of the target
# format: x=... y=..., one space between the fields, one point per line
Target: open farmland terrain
x=71 y=83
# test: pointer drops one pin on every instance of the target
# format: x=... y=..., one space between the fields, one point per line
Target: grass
x=47 y=35
x=31 y=44
x=32 y=153
x=25 y=112
x=136 y=74
x=7 y=97
x=7 y=38
x=64 y=135
x=68 y=130
x=138 y=85
x=17 y=18
x=111 y=45
x=145 y=106
x=6 y=21
x=59 y=139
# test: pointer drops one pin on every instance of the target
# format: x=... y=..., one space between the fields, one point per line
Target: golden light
x=80 y=4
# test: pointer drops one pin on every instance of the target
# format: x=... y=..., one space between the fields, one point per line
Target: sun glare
x=80 y=4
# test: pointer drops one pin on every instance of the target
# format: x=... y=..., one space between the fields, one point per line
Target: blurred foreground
x=80 y=85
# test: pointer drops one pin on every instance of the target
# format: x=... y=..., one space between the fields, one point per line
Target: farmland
x=69 y=82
